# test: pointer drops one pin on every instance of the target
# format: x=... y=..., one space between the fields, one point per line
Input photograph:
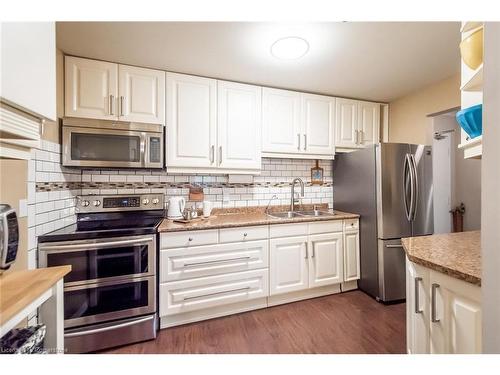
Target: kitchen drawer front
x=325 y=227
x=178 y=297
x=288 y=230
x=351 y=224
x=188 y=238
x=244 y=234
x=185 y=263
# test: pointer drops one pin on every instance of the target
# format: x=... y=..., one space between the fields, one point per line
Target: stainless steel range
x=110 y=293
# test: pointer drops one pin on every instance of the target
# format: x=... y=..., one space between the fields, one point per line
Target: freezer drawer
x=391 y=272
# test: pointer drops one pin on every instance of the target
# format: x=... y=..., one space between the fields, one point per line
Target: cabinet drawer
x=351 y=224
x=325 y=227
x=287 y=230
x=188 y=238
x=190 y=262
x=243 y=234
x=188 y=295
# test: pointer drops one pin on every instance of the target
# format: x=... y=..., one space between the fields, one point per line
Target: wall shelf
x=473 y=148
x=475 y=82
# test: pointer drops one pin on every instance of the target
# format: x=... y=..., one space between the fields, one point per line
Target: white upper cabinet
x=326 y=259
x=281 y=121
x=346 y=123
x=357 y=123
x=318 y=124
x=369 y=123
x=239 y=125
x=108 y=91
x=142 y=95
x=91 y=88
x=191 y=121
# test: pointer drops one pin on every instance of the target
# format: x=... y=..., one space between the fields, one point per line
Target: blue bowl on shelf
x=471 y=120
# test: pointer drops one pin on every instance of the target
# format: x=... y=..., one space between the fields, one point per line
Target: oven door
x=107 y=259
x=105 y=301
x=91 y=147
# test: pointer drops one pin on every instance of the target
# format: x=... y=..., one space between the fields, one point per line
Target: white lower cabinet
x=443 y=313
x=352 y=269
x=209 y=273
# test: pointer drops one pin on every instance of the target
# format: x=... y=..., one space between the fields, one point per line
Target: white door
x=346 y=124
x=281 y=129
x=325 y=259
x=191 y=121
x=351 y=256
x=417 y=309
x=318 y=116
x=142 y=94
x=239 y=126
x=369 y=122
x=91 y=89
x=288 y=266
x=457 y=324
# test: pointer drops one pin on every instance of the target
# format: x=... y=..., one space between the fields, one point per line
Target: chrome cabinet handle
x=215 y=261
x=417 y=295
x=361 y=137
x=110 y=104
x=216 y=293
x=393 y=246
x=220 y=155
x=298 y=138
x=212 y=154
x=245 y=234
x=313 y=252
x=305 y=142
x=357 y=137
x=190 y=239
x=307 y=251
x=122 y=98
x=434 y=319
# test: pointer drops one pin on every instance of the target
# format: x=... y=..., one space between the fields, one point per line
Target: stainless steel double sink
x=292 y=214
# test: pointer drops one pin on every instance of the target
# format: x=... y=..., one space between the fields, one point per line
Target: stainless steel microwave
x=111 y=144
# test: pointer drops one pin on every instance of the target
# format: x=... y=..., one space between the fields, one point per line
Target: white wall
x=466 y=176
x=28 y=67
x=490 y=233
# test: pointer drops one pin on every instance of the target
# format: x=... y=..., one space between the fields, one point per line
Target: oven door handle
x=93 y=245
x=109 y=328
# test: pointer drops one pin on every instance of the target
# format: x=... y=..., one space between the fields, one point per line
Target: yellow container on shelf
x=471 y=49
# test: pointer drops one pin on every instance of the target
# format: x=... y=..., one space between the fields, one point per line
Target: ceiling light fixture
x=290 y=48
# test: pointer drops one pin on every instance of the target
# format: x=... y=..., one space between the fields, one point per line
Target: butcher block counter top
x=455 y=254
x=246 y=216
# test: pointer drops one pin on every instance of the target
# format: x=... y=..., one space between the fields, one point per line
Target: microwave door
x=90 y=147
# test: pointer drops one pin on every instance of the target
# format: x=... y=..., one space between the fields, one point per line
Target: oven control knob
x=145 y=201
x=97 y=203
x=156 y=201
x=85 y=203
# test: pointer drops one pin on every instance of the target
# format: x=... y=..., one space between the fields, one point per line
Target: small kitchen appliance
x=9 y=236
x=176 y=207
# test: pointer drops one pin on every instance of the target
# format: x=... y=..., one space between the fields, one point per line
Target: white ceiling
x=367 y=60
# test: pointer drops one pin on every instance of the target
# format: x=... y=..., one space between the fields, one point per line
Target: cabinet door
x=319 y=124
x=369 y=122
x=239 y=125
x=281 y=130
x=91 y=89
x=417 y=308
x=351 y=256
x=288 y=264
x=346 y=124
x=142 y=94
x=191 y=121
x=325 y=259
x=457 y=326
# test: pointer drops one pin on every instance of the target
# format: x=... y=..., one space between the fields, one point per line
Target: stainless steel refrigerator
x=390 y=186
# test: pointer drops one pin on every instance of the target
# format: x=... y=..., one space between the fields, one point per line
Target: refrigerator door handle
x=407 y=174
x=415 y=191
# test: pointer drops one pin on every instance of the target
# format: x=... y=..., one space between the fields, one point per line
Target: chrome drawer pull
x=417 y=296
x=217 y=293
x=215 y=261
x=434 y=319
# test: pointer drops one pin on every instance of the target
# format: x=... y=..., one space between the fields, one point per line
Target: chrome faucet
x=293 y=200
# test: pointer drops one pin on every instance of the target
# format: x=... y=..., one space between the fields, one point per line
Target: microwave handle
x=93 y=245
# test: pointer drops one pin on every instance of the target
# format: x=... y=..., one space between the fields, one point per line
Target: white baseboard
x=303 y=294
x=349 y=285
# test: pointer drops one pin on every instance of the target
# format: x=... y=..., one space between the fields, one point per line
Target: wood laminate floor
x=343 y=323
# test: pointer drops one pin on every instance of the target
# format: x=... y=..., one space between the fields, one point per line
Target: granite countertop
x=455 y=254
x=246 y=216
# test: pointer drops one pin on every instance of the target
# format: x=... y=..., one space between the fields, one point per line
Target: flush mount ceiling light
x=289 y=48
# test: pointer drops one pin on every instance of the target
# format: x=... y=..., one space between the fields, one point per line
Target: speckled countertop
x=455 y=254
x=232 y=218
